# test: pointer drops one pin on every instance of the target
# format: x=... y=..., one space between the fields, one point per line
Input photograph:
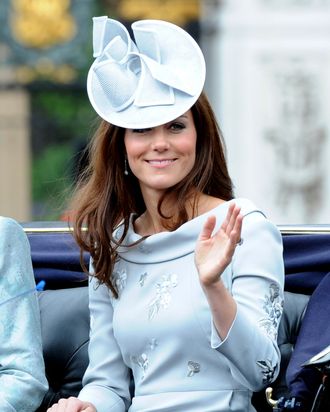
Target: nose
x=160 y=141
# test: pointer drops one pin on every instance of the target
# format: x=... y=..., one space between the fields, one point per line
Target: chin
x=162 y=185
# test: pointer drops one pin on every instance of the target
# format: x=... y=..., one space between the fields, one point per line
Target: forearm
x=107 y=391
x=222 y=305
x=213 y=253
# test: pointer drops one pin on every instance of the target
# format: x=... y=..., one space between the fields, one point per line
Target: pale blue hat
x=144 y=83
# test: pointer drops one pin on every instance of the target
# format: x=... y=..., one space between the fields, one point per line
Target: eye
x=141 y=131
x=177 y=126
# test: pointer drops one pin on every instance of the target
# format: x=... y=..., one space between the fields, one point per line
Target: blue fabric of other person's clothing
x=313 y=337
x=22 y=371
x=307 y=269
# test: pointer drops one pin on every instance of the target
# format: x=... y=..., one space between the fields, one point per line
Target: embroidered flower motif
x=193 y=367
x=143 y=278
x=142 y=361
x=119 y=278
x=163 y=294
x=267 y=369
x=273 y=307
x=152 y=344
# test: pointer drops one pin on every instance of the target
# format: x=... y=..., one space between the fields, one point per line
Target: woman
x=187 y=286
x=22 y=376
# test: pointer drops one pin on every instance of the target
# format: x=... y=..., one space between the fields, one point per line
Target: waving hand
x=214 y=252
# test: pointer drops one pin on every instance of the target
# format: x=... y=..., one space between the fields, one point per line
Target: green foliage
x=60 y=116
x=66 y=108
x=61 y=124
x=51 y=181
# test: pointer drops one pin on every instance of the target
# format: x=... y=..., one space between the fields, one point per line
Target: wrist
x=211 y=284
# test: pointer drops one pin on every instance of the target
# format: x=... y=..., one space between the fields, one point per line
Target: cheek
x=189 y=147
x=133 y=148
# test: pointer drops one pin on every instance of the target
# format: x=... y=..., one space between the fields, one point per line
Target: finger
x=236 y=211
x=234 y=237
x=67 y=405
x=236 y=232
x=76 y=405
x=229 y=222
x=87 y=407
x=226 y=221
x=53 y=408
x=207 y=228
x=64 y=405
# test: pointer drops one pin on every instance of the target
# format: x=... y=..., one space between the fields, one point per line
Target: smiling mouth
x=161 y=163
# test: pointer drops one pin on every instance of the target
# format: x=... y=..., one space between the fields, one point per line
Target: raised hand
x=214 y=252
x=72 y=405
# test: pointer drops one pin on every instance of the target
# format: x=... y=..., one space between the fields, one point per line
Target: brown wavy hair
x=105 y=196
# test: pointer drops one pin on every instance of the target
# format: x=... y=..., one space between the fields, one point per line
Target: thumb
x=87 y=407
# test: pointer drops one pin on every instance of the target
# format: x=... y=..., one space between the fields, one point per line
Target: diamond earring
x=125 y=168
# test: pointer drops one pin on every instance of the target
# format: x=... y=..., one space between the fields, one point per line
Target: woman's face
x=162 y=156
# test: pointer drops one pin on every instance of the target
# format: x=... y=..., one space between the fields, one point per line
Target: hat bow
x=141 y=73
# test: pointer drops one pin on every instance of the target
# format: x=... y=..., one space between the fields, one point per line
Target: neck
x=150 y=222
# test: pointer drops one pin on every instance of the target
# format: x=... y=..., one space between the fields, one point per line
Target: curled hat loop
x=152 y=72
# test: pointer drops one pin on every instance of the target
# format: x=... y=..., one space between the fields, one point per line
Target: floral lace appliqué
x=163 y=294
x=119 y=278
x=267 y=369
x=273 y=307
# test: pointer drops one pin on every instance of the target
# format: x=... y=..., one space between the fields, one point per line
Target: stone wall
x=15 y=154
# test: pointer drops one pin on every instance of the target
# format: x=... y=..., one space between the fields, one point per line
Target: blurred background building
x=268 y=79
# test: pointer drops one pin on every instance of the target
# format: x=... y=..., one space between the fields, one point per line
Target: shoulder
x=15 y=257
x=261 y=248
x=250 y=211
x=255 y=221
x=248 y=207
x=11 y=231
x=7 y=223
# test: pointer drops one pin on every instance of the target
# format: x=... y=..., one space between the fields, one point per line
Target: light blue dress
x=22 y=376
x=161 y=327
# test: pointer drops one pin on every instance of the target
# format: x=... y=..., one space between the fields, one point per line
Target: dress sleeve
x=22 y=373
x=257 y=272
x=107 y=378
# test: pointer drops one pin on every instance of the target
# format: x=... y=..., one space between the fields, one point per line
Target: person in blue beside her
x=186 y=290
x=307 y=264
x=22 y=375
x=313 y=338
